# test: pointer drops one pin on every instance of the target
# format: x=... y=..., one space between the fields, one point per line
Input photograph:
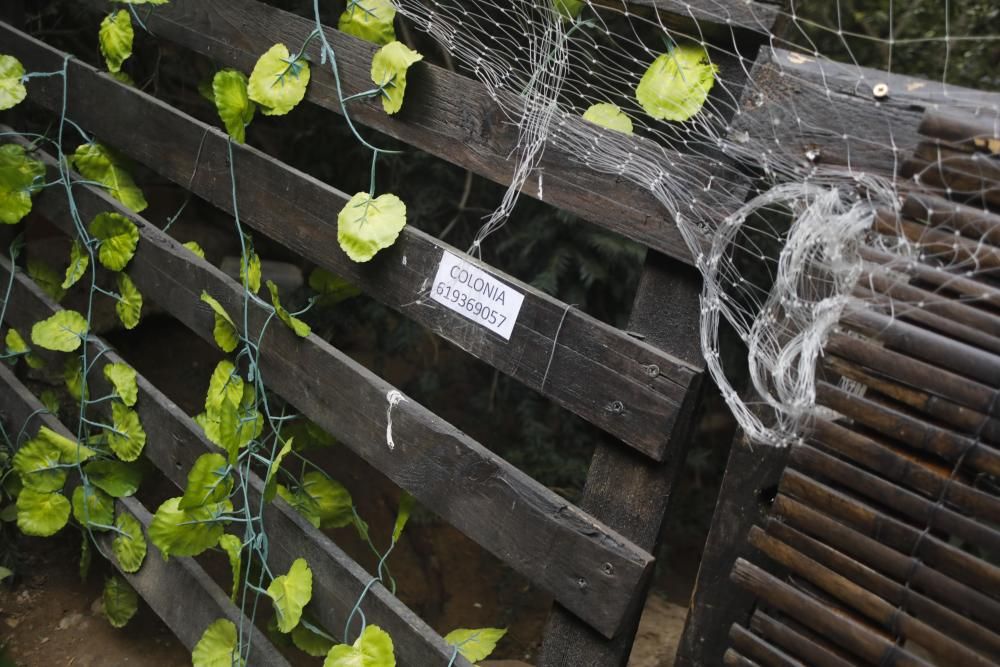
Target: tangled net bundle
x=547 y=63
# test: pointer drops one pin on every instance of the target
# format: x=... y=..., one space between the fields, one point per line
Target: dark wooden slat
x=811 y=104
x=906 y=503
x=733 y=659
x=923 y=607
x=935 y=552
x=965 y=128
x=751 y=477
x=627 y=491
x=594 y=366
x=893 y=465
x=444 y=469
x=446 y=114
x=854 y=636
x=965 y=600
x=926 y=345
x=974 y=223
x=759 y=649
x=179 y=591
x=940 y=244
x=914 y=373
x=794 y=642
x=912 y=431
x=176 y=441
x=754 y=16
x=870 y=605
x=978 y=292
x=959 y=417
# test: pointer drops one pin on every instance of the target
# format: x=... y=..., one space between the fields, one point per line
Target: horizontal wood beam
x=742 y=14
x=447 y=115
x=828 y=109
x=631 y=389
x=176 y=441
x=505 y=511
x=179 y=590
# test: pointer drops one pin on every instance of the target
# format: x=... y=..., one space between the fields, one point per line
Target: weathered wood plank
x=446 y=471
x=593 y=365
x=179 y=591
x=706 y=14
x=808 y=104
x=629 y=491
x=176 y=441
x=446 y=114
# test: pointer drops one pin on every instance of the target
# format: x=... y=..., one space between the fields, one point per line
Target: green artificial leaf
x=278 y=83
x=63 y=332
x=406 y=503
x=92 y=507
x=300 y=328
x=120 y=601
x=20 y=178
x=366 y=225
x=229 y=93
x=39 y=465
x=290 y=593
x=118 y=236
x=73 y=377
x=177 y=532
x=232 y=546
x=569 y=9
x=128 y=437
x=122 y=377
x=45 y=276
x=322 y=501
x=225 y=333
x=116 y=37
x=9 y=513
x=143 y=2
x=253 y=264
x=218 y=646
x=225 y=385
x=307 y=639
x=677 y=84
x=97 y=163
x=333 y=288
x=117 y=479
x=12 y=90
x=208 y=482
x=370 y=20
x=372 y=649
x=129 y=545
x=477 y=644
x=195 y=248
x=41 y=514
x=307 y=434
x=16 y=346
x=70 y=451
x=129 y=306
x=271 y=481
x=79 y=260
x=6 y=573
x=609 y=116
x=50 y=400
x=389 y=67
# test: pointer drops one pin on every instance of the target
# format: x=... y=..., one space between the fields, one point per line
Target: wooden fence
x=642 y=385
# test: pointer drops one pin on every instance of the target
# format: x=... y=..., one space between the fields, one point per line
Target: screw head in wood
x=880 y=91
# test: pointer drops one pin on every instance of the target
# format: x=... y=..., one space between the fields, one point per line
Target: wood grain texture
x=759 y=649
x=795 y=642
x=811 y=104
x=594 y=366
x=181 y=593
x=175 y=442
x=446 y=114
x=504 y=510
x=627 y=491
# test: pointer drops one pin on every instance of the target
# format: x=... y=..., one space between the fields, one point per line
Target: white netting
x=548 y=61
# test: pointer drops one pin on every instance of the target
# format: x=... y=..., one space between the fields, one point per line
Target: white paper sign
x=476 y=295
